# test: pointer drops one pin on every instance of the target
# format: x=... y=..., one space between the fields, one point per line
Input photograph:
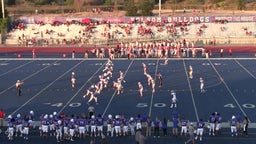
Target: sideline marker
x=19 y=55
x=64 y=55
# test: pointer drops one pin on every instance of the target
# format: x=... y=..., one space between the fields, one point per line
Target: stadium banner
x=164 y=19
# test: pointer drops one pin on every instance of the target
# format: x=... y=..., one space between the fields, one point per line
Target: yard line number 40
x=158 y=105
x=161 y=105
x=249 y=106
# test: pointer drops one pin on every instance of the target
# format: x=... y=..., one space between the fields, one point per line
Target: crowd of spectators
x=80 y=33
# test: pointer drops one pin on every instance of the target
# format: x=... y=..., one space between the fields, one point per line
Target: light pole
x=159 y=10
x=3 y=9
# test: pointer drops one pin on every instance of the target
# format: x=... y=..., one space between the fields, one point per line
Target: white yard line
x=191 y=92
x=112 y=97
x=81 y=88
x=33 y=97
x=15 y=68
x=152 y=96
x=26 y=78
x=245 y=69
x=227 y=87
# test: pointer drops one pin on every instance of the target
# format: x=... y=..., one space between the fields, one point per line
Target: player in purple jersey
x=58 y=127
x=11 y=126
x=26 y=126
x=81 y=127
x=31 y=119
x=71 y=126
x=93 y=125
x=65 y=128
x=51 y=125
x=218 y=123
x=200 y=129
x=132 y=125
x=233 y=126
x=100 y=122
x=117 y=125
x=90 y=91
x=212 y=121
x=87 y=125
x=45 y=125
x=110 y=128
x=19 y=122
x=184 y=126
x=138 y=122
x=125 y=123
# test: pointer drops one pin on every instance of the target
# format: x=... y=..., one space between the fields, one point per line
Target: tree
x=131 y=9
x=198 y=1
x=10 y=2
x=108 y=2
x=241 y=4
x=146 y=7
x=78 y=4
x=4 y=22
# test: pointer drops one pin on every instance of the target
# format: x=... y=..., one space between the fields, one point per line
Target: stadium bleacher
x=71 y=33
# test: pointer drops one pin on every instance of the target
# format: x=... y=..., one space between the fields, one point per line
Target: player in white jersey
x=165 y=60
x=144 y=68
x=140 y=88
x=190 y=72
x=121 y=75
x=118 y=86
x=153 y=85
x=73 y=81
x=202 y=90
x=149 y=78
x=173 y=100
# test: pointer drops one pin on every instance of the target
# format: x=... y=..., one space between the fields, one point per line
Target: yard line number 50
x=158 y=105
